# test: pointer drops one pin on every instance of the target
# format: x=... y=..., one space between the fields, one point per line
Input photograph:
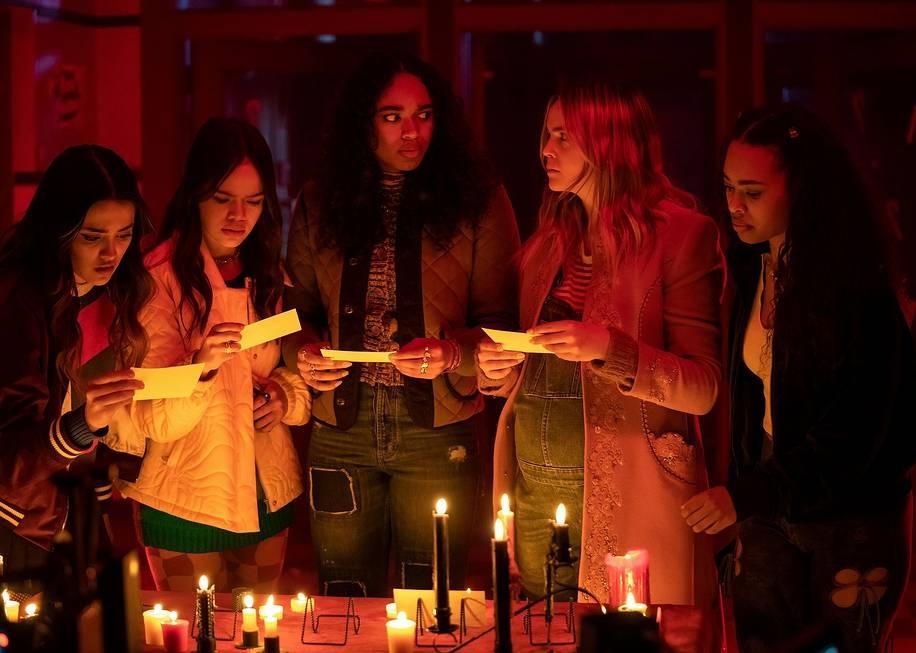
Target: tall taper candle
x=502 y=599
x=561 y=535
x=206 y=643
x=440 y=568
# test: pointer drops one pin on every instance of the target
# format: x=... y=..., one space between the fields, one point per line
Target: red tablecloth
x=676 y=625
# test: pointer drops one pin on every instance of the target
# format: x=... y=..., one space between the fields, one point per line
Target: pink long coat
x=643 y=449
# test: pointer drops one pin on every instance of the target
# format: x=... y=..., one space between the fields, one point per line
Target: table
x=676 y=624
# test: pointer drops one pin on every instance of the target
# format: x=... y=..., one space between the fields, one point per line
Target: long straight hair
x=616 y=130
x=39 y=248
x=219 y=147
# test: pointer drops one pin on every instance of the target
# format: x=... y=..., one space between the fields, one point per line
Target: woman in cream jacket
x=220 y=471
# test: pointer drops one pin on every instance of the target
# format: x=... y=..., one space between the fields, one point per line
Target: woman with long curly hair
x=76 y=249
x=822 y=384
x=220 y=473
x=402 y=245
x=621 y=282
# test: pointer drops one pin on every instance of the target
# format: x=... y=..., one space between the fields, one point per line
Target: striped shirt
x=577 y=275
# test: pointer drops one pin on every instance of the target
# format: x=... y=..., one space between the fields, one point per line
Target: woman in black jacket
x=80 y=236
x=822 y=380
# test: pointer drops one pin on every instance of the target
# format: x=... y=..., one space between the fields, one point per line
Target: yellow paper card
x=167 y=382
x=357 y=356
x=270 y=328
x=475 y=605
x=515 y=341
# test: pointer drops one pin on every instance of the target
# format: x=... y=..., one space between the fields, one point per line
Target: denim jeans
x=549 y=441
x=376 y=485
x=844 y=576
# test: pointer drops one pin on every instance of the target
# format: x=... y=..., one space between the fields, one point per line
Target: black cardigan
x=842 y=444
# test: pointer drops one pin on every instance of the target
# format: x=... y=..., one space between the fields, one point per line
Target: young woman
x=621 y=281
x=402 y=245
x=77 y=243
x=220 y=472
x=822 y=384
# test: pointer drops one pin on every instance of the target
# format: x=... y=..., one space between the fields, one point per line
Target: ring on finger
x=227 y=346
x=424 y=367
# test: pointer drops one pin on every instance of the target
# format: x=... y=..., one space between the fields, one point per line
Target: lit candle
x=502 y=602
x=31 y=610
x=270 y=627
x=175 y=634
x=628 y=573
x=561 y=536
x=271 y=609
x=391 y=610
x=631 y=605
x=249 y=617
x=205 y=636
x=401 y=634
x=152 y=624
x=10 y=608
x=440 y=568
x=297 y=603
x=507 y=517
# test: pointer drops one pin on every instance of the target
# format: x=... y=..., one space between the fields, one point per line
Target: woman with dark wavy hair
x=822 y=384
x=220 y=473
x=75 y=250
x=402 y=245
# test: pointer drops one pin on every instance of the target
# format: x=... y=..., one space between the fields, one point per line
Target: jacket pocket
x=674 y=455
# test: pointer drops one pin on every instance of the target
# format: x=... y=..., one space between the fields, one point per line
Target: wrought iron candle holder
x=311 y=620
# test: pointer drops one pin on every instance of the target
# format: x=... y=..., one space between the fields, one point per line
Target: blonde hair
x=616 y=131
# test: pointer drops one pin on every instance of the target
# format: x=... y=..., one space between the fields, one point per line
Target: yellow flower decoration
x=853 y=586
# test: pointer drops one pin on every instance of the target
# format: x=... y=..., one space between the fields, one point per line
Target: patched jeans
x=375 y=487
x=549 y=442
x=843 y=578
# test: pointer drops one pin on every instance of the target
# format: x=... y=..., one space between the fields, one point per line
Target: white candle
x=506 y=516
x=632 y=606
x=270 y=609
x=249 y=617
x=391 y=610
x=10 y=607
x=270 y=626
x=152 y=624
x=297 y=604
x=401 y=634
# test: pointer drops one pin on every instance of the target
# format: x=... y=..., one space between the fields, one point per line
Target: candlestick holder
x=422 y=629
x=311 y=620
x=249 y=640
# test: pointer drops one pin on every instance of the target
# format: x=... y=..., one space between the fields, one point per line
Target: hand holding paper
x=357 y=356
x=270 y=328
x=515 y=341
x=167 y=382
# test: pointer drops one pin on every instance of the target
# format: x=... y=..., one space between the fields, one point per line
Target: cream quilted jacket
x=203 y=455
x=448 y=293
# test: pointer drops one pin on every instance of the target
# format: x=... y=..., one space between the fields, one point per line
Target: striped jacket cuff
x=10 y=514
x=70 y=435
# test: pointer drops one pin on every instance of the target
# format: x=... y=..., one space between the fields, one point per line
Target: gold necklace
x=229 y=258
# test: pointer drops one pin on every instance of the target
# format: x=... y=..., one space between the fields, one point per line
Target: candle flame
x=270 y=600
x=402 y=616
x=203 y=583
x=441 y=507
x=631 y=600
x=469 y=590
x=174 y=616
x=603 y=610
x=30 y=610
x=504 y=503
x=300 y=596
x=157 y=607
x=561 y=514
x=6 y=596
x=499 y=530
x=249 y=601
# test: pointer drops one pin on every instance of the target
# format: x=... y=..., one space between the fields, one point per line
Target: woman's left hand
x=270 y=403
x=422 y=358
x=710 y=511
x=571 y=340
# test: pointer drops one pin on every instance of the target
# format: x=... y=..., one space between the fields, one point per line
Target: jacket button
x=353 y=261
x=255 y=356
x=340 y=401
x=348 y=309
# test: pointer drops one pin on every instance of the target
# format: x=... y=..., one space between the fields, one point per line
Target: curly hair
x=450 y=187
x=39 y=247
x=833 y=255
x=219 y=147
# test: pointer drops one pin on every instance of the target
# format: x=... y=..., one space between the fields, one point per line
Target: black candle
x=561 y=536
x=440 y=567
x=206 y=643
x=502 y=600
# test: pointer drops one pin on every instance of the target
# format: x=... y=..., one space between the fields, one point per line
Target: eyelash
x=94 y=239
x=394 y=117
x=751 y=195
x=225 y=200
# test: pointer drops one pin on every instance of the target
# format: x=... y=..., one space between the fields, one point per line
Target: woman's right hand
x=219 y=345
x=107 y=393
x=318 y=372
x=495 y=363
